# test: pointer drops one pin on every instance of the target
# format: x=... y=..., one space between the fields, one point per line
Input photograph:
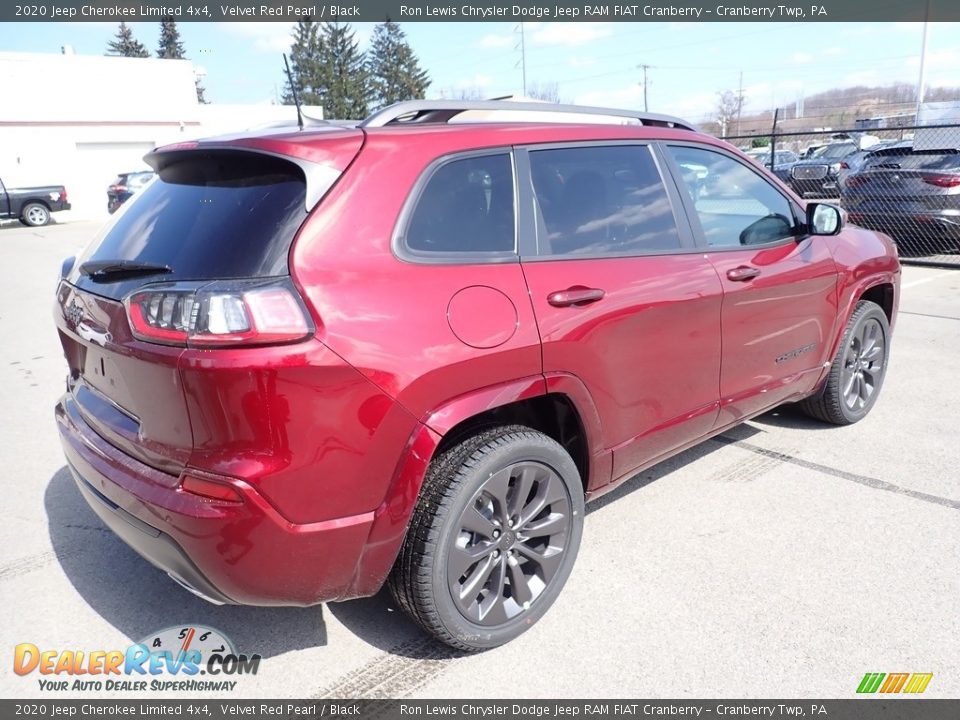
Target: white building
x=95 y=117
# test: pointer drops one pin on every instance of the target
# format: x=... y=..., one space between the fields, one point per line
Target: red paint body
x=326 y=441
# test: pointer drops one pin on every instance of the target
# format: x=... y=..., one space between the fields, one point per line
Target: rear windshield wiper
x=107 y=270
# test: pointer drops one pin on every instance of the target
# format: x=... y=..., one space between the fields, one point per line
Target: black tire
x=35 y=214
x=460 y=487
x=843 y=399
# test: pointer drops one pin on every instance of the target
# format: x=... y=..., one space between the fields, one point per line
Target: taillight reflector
x=210 y=489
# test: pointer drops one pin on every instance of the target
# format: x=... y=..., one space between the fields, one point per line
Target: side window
x=601 y=200
x=466 y=206
x=736 y=206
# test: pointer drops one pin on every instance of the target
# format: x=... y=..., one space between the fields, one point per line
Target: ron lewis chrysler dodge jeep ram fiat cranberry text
x=305 y=363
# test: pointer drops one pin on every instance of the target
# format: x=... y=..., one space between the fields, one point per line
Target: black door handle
x=575 y=296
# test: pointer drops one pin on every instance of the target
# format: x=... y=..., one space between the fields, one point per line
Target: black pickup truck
x=32 y=205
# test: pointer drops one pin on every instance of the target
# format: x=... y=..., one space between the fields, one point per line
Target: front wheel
x=492 y=540
x=35 y=215
x=857 y=372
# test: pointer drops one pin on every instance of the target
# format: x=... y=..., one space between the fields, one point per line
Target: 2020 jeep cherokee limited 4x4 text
x=303 y=364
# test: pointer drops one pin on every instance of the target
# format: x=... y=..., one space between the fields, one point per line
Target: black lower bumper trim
x=153 y=545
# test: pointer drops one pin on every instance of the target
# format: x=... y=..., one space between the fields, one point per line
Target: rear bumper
x=244 y=553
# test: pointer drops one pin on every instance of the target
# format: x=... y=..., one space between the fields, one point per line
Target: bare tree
x=729 y=105
x=546 y=91
x=472 y=92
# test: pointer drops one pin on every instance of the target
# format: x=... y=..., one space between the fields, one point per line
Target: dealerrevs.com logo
x=172 y=660
x=910 y=683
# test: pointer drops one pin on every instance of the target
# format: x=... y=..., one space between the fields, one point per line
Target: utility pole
x=921 y=83
x=645 y=67
x=739 y=102
x=522 y=47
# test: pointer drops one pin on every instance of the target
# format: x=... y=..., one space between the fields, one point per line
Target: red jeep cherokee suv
x=305 y=363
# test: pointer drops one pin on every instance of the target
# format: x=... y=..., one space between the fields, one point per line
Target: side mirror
x=824 y=219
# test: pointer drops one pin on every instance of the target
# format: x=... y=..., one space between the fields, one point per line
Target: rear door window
x=211 y=215
x=601 y=200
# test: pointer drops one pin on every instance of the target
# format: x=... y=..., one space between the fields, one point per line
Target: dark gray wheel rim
x=863 y=365
x=510 y=544
x=36 y=215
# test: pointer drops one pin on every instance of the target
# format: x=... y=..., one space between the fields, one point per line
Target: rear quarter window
x=465 y=207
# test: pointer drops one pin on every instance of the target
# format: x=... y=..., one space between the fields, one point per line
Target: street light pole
x=645 y=68
x=922 y=82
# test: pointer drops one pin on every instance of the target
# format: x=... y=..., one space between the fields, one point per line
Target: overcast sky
x=592 y=63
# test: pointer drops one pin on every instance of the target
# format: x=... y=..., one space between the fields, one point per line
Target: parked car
x=783 y=161
x=305 y=364
x=809 y=151
x=854 y=161
x=818 y=175
x=32 y=205
x=912 y=195
x=125 y=186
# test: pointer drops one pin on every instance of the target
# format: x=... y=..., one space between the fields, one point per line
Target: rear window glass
x=906 y=159
x=829 y=152
x=212 y=215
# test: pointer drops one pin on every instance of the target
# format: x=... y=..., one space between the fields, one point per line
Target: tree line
x=331 y=71
x=326 y=63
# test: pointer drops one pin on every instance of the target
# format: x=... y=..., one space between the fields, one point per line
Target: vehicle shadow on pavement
x=664 y=468
x=790 y=417
x=379 y=622
x=138 y=599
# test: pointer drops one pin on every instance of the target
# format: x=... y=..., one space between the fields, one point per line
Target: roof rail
x=415 y=112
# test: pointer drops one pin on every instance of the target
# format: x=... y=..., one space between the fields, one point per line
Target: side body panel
x=776 y=327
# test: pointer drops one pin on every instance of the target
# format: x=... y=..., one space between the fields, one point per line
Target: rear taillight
x=218 y=314
x=944 y=181
x=845 y=165
x=63 y=196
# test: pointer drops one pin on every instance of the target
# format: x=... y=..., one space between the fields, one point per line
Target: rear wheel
x=35 y=215
x=493 y=538
x=857 y=372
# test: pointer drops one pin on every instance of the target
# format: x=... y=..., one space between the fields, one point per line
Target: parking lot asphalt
x=782 y=559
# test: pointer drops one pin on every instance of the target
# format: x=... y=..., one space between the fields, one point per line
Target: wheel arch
x=558 y=405
x=34 y=201
x=880 y=289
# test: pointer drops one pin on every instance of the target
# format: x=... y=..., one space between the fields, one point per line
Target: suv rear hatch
x=172 y=270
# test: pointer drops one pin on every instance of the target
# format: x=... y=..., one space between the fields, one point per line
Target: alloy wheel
x=510 y=544
x=863 y=365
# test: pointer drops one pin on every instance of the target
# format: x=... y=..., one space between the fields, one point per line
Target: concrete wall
x=97 y=116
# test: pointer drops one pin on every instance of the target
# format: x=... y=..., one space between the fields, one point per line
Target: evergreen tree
x=395 y=72
x=125 y=44
x=309 y=76
x=347 y=92
x=170 y=46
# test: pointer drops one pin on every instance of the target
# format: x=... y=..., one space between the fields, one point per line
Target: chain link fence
x=902 y=181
